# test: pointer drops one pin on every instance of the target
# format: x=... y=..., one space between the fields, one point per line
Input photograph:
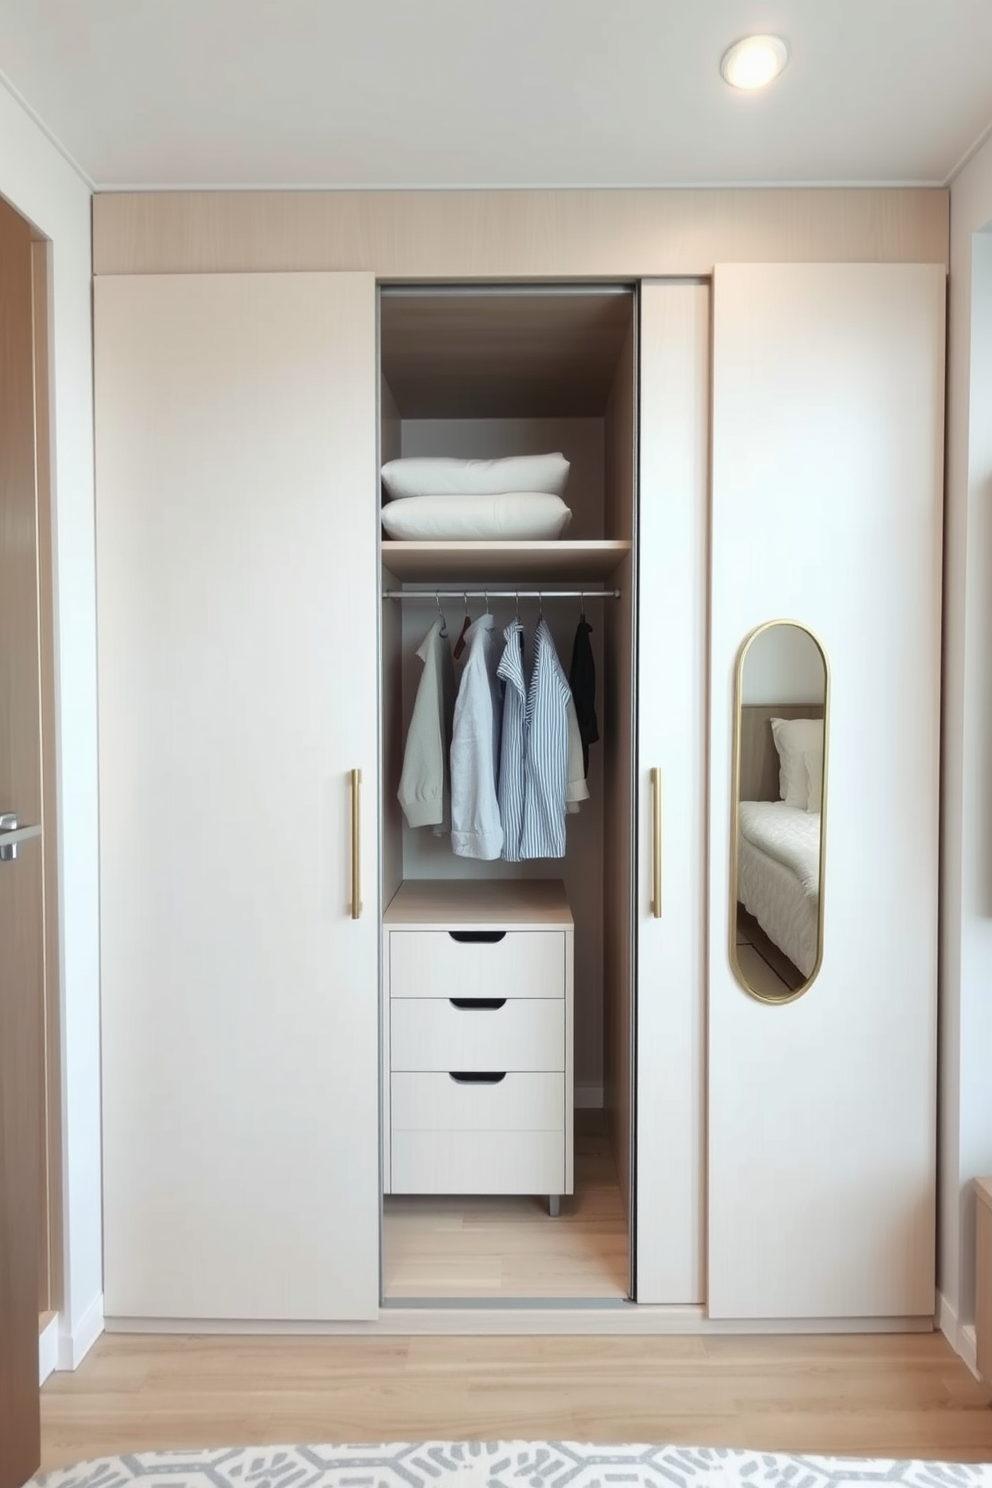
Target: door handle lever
x=8 y=823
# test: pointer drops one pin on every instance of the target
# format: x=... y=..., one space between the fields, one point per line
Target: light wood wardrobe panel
x=671 y=706
x=236 y=528
x=539 y=234
x=826 y=496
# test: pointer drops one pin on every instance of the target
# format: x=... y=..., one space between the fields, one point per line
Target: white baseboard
x=75 y=1343
x=588 y=1097
x=48 y=1349
x=961 y=1336
x=609 y=1320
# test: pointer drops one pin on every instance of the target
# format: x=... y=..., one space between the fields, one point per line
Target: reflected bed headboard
x=759 y=757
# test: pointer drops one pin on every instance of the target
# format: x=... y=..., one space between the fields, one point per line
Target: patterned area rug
x=502 y=1465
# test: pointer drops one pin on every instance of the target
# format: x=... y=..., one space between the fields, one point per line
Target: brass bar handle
x=356 y=844
x=656 y=844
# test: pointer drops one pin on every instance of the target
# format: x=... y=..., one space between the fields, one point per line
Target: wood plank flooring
x=510 y=1247
x=876 y=1395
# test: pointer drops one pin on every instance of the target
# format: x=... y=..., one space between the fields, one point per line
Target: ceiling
x=415 y=93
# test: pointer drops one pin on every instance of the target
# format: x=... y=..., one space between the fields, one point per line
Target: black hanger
x=459 y=645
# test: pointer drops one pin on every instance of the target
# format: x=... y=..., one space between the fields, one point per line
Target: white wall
x=37 y=180
x=783 y=665
x=966 y=959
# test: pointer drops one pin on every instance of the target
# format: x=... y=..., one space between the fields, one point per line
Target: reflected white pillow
x=512 y=516
x=794 y=738
x=420 y=476
x=813 y=760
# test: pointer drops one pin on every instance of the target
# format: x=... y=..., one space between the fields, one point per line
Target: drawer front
x=429 y=1034
x=516 y=1103
x=522 y=963
x=472 y=1162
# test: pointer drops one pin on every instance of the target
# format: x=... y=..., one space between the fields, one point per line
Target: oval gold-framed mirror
x=779 y=810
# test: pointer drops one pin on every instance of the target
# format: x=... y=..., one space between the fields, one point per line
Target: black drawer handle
x=477 y=937
x=466 y=1077
x=477 y=1002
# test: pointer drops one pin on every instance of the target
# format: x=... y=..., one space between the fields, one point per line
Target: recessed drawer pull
x=477 y=937
x=466 y=1077
x=477 y=1002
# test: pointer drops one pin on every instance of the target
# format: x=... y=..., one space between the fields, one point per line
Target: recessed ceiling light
x=754 y=61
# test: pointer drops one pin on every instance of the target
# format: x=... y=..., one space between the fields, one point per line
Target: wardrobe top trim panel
x=510 y=904
x=436 y=235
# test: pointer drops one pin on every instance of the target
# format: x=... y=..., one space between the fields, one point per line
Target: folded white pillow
x=795 y=738
x=512 y=516
x=420 y=476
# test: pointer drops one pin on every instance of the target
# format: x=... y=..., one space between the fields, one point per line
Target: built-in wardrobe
x=758 y=443
x=486 y=1050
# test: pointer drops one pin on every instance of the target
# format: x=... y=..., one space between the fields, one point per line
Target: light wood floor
x=904 y=1396
x=766 y=968
x=511 y=1247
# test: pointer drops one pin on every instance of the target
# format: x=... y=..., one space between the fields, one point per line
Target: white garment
x=576 y=787
x=425 y=791
x=476 y=831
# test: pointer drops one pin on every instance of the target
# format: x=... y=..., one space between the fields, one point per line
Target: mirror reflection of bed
x=782 y=701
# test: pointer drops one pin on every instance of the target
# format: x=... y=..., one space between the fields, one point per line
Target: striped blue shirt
x=513 y=741
x=534 y=749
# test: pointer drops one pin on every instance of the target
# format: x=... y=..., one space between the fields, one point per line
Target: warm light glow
x=754 y=62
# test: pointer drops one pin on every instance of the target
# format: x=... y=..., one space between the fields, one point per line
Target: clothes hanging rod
x=481 y=290
x=541 y=594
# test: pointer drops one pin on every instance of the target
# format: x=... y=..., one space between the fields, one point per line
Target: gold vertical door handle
x=356 y=844
x=656 y=845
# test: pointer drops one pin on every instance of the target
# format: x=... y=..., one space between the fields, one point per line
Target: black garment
x=582 y=681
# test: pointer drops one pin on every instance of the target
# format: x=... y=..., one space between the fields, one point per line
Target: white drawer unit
x=478 y=1068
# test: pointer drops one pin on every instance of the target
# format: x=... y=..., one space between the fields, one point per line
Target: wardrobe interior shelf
x=511 y=562
x=511 y=904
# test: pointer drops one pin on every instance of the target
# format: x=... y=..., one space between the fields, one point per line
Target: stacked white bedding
x=518 y=498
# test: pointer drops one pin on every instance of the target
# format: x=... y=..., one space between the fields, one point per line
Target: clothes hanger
x=440 y=612
x=459 y=645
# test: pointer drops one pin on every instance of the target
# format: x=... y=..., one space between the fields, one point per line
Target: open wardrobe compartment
x=393 y=1036
x=508 y=927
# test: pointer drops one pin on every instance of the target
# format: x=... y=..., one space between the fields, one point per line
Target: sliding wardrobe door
x=236 y=521
x=671 y=708
x=826 y=512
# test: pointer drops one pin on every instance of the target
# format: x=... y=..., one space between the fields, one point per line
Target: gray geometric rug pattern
x=502 y=1465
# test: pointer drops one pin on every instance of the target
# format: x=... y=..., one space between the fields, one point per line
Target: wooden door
x=826 y=494
x=671 y=709
x=237 y=525
x=21 y=904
